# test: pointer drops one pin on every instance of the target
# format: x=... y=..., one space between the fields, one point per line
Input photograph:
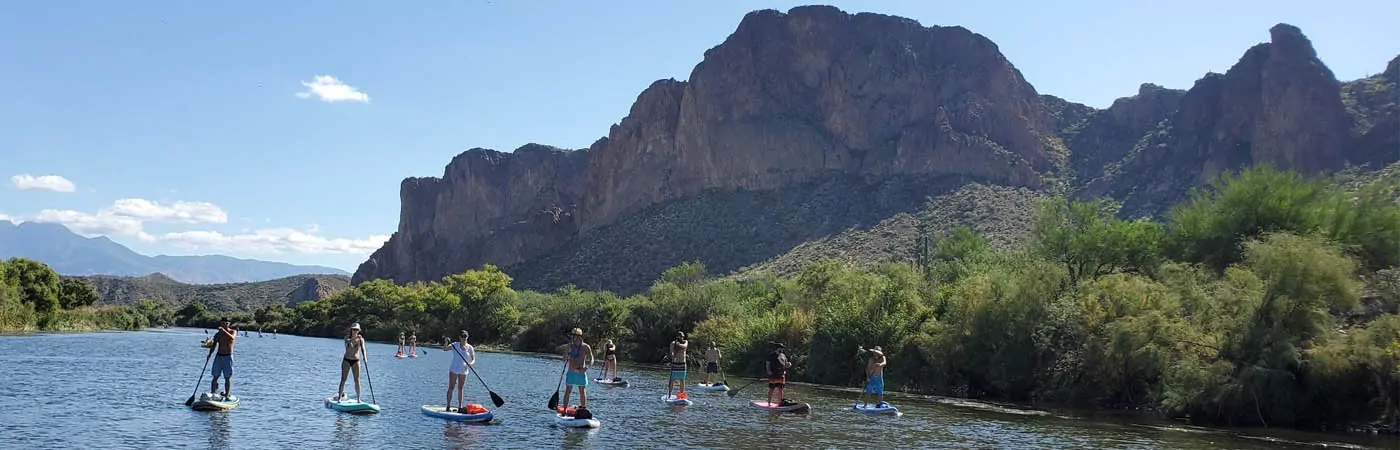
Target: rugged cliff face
x=818 y=125
x=788 y=99
x=1278 y=105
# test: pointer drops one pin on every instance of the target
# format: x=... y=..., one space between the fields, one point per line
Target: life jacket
x=475 y=408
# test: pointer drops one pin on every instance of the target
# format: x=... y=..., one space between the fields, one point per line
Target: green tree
x=1089 y=241
x=38 y=284
x=1210 y=226
x=75 y=293
x=1367 y=223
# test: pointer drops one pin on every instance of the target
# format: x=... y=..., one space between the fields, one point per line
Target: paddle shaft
x=494 y=398
x=201 y=379
x=554 y=400
x=736 y=391
x=364 y=358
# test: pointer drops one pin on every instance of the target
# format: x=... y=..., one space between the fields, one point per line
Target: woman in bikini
x=354 y=350
x=610 y=361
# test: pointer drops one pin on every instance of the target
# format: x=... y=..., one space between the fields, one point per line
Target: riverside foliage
x=1265 y=299
x=33 y=297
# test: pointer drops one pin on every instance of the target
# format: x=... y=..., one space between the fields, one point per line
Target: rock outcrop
x=816 y=123
x=1278 y=105
x=787 y=99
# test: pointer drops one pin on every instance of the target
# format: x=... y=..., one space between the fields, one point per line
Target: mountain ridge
x=794 y=104
x=71 y=254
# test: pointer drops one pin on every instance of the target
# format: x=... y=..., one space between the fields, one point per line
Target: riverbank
x=85 y=319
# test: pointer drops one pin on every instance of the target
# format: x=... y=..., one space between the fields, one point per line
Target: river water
x=127 y=390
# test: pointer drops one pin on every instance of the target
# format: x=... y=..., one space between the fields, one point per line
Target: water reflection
x=578 y=437
x=347 y=429
x=219 y=429
x=460 y=435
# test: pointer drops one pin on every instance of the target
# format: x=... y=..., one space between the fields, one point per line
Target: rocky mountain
x=817 y=126
x=226 y=297
x=71 y=254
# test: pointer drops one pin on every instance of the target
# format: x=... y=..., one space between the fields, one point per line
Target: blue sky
x=180 y=128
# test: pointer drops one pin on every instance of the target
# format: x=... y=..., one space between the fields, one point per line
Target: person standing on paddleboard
x=223 y=362
x=711 y=363
x=610 y=361
x=875 y=370
x=350 y=362
x=463 y=355
x=677 y=364
x=777 y=372
x=401 y=341
x=576 y=361
x=413 y=344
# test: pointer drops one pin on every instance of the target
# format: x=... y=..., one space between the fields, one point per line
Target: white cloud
x=54 y=183
x=7 y=218
x=180 y=211
x=104 y=222
x=272 y=241
x=328 y=89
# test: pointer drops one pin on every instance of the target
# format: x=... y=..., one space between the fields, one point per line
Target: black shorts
x=711 y=368
x=777 y=382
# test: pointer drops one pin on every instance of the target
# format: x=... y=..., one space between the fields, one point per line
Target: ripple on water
x=126 y=390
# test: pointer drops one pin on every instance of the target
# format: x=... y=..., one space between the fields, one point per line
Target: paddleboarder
x=875 y=370
x=777 y=365
x=610 y=361
x=223 y=361
x=350 y=362
x=402 y=340
x=577 y=358
x=677 y=364
x=463 y=355
x=413 y=344
x=711 y=363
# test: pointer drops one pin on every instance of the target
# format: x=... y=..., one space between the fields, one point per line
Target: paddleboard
x=876 y=408
x=799 y=407
x=610 y=383
x=351 y=406
x=716 y=387
x=570 y=422
x=400 y=355
x=216 y=402
x=673 y=400
x=439 y=411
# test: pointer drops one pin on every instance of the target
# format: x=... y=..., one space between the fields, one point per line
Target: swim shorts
x=573 y=378
x=711 y=367
x=876 y=385
x=223 y=366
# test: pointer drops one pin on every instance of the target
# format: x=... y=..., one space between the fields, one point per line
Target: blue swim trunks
x=573 y=378
x=223 y=366
x=876 y=385
x=677 y=371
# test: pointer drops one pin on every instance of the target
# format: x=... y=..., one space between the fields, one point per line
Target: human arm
x=471 y=355
x=589 y=350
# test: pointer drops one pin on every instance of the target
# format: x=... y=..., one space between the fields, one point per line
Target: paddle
x=496 y=399
x=554 y=399
x=365 y=360
x=736 y=391
x=201 y=379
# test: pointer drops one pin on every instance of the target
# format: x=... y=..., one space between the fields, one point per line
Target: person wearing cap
x=463 y=355
x=576 y=361
x=778 y=365
x=677 y=364
x=223 y=362
x=875 y=370
x=354 y=350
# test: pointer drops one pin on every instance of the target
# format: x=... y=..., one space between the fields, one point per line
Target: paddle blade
x=190 y=401
x=553 y=401
x=498 y=400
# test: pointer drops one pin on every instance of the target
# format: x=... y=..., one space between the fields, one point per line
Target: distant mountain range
x=219 y=298
x=71 y=254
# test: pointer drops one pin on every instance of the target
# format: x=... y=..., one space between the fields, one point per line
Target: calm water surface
x=127 y=390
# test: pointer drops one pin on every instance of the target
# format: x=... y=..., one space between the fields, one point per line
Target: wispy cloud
x=180 y=211
x=272 y=241
x=127 y=217
x=53 y=183
x=328 y=89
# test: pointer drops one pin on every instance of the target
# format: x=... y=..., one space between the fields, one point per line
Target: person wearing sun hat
x=777 y=365
x=577 y=358
x=875 y=371
x=354 y=351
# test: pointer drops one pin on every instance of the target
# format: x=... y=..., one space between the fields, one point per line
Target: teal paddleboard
x=351 y=406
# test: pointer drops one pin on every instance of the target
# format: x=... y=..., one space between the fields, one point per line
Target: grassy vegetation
x=1244 y=307
x=227 y=297
x=33 y=298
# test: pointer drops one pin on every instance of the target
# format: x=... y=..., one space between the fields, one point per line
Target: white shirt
x=459 y=365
